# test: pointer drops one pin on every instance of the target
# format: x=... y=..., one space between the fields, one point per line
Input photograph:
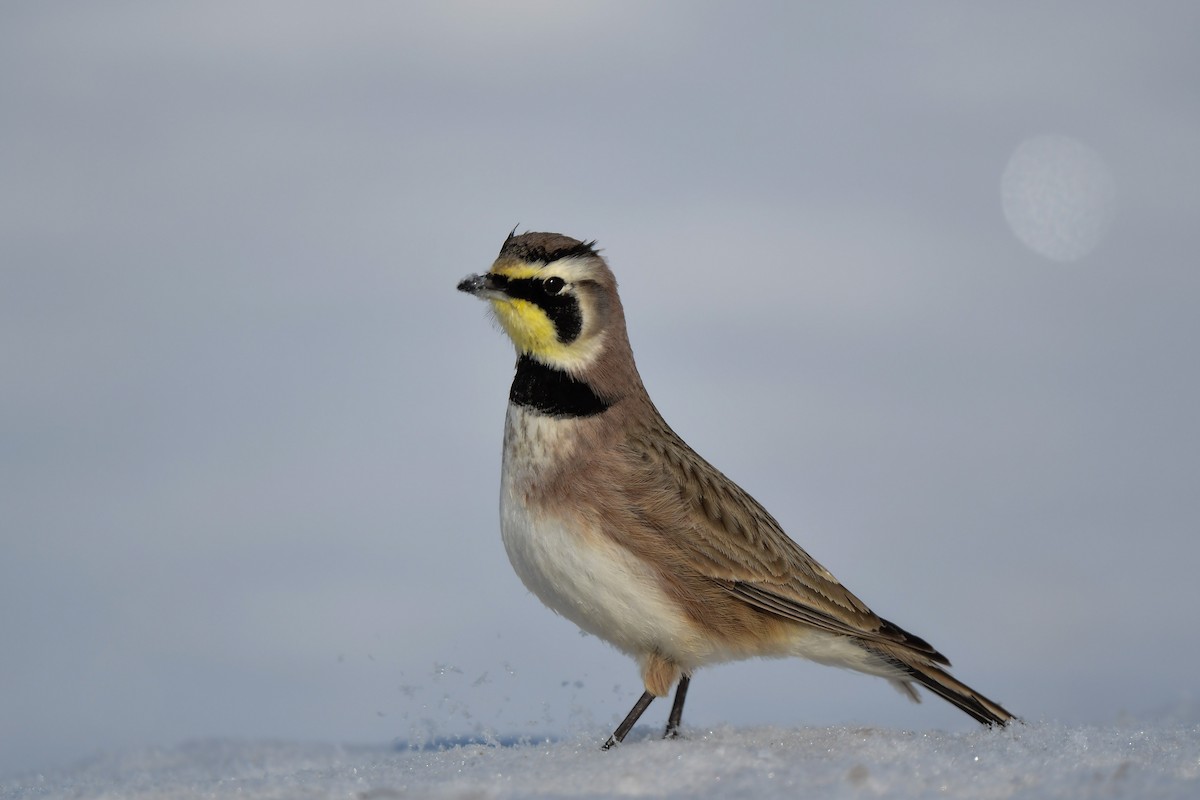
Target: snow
x=1123 y=759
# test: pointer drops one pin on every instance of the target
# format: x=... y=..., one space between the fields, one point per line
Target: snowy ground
x=1038 y=760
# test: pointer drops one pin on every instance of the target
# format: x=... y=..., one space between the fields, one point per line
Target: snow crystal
x=1026 y=761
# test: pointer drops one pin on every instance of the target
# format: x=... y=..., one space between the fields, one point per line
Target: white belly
x=586 y=577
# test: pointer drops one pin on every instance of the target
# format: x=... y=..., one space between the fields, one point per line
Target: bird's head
x=555 y=298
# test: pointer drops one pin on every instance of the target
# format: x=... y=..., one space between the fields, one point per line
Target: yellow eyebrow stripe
x=516 y=270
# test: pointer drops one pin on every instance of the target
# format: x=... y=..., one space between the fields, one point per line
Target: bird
x=615 y=523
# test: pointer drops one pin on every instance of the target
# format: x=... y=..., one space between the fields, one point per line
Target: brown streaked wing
x=724 y=533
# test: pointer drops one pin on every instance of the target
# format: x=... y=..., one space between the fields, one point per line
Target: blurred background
x=921 y=278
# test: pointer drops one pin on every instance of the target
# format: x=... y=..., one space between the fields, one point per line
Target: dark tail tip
x=958 y=694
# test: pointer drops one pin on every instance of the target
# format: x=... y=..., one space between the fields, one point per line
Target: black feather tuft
x=545 y=248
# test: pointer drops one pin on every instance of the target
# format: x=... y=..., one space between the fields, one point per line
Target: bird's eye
x=553 y=285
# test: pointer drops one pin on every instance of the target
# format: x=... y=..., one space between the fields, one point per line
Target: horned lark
x=615 y=523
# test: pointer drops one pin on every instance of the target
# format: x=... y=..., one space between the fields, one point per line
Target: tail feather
x=915 y=660
x=956 y=692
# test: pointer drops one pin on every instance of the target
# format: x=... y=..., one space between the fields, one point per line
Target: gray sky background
x=249 y=433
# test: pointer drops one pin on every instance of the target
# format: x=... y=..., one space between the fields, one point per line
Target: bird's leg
x=676 y=717
x=632 y=717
